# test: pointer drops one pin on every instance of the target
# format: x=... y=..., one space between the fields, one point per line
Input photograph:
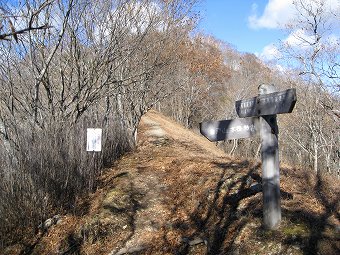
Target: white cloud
x=277 y=13
x=269 y=53
x=280 y=68
x=299 y=38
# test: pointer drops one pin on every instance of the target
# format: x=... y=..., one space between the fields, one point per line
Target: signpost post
x=261 y=119
x=270 y=166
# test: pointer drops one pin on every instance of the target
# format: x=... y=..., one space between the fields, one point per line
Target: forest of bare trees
x=310 y=136
x=69 y=65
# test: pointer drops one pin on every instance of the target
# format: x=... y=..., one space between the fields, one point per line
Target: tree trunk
x=316 y=170
x=8 y=146
x=235 y=144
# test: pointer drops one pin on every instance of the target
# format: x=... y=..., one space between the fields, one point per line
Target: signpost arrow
x=267 y=104
x=229 y=129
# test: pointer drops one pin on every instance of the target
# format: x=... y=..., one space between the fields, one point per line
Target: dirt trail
x=173 y=171
x=179 y=176
x=158 y=131
x=147 y=220
x=178 y=133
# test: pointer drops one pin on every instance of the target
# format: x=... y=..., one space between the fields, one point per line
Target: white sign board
x=229 y=129
x=94 y=139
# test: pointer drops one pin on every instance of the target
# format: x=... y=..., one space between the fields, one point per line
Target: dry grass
x=178 y=194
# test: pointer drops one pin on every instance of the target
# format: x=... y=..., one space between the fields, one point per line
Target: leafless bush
x=54 y=168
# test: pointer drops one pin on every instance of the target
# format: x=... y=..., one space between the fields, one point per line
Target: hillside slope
x=179 y=194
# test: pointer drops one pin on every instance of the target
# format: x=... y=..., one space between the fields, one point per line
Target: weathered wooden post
x=270 y=166
x=258 y=116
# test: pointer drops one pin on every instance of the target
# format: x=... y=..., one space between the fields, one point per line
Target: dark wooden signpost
x=267 y=104
x=260 y=113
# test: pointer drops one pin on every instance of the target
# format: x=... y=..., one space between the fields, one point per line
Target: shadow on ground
x=223 y=217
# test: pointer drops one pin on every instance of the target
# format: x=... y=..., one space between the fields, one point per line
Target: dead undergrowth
x=178 y=194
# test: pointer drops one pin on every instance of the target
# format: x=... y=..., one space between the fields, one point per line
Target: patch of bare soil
x=179 y=194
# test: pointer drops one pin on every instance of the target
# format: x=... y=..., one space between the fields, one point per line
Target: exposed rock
x=194 y=241
x=129 y=250
x=56 y=219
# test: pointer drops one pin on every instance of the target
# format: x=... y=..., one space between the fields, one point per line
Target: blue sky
x=257 y=26
x=228 y=20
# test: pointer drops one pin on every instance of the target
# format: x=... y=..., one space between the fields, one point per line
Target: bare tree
x=8 y=29
x=313 y=49
x=92 y=63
